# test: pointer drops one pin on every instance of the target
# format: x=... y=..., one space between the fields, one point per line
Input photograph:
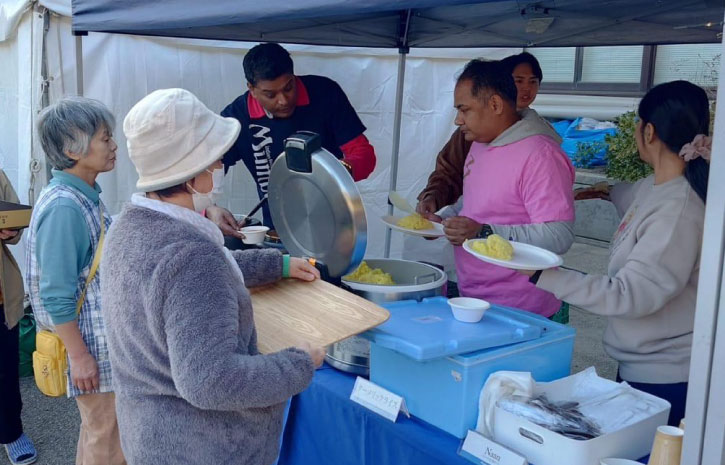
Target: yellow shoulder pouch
x=50 y=361
x=50 y=364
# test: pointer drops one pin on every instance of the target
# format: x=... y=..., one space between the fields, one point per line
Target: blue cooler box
x=439 y=365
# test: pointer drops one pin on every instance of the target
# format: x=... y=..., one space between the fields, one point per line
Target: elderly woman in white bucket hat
x=191 y=386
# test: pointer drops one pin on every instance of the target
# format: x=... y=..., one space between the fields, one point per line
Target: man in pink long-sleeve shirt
x=517 y=183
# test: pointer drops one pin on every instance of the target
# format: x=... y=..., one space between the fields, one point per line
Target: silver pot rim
x=365 y=287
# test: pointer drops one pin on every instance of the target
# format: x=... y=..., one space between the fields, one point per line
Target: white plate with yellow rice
x=392 y=223
x=525 y=256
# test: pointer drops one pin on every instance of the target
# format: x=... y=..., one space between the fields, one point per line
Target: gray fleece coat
x=190 y=384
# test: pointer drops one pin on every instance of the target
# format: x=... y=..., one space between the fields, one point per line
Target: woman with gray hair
x=66 y=233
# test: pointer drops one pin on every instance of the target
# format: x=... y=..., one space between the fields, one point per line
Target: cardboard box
x=14 y=215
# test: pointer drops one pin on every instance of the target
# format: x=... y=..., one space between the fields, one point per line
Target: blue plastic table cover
x=426 y=330
x=325 y=427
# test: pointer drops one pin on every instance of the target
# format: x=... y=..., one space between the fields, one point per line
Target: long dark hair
x=679 y=110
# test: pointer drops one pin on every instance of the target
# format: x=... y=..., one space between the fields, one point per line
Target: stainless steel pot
x=414 y=281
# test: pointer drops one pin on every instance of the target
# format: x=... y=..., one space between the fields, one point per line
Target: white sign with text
x=377 y=399
x=489 y=452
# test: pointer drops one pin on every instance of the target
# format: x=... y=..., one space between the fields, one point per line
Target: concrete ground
x=53 y=423
x=588 y=349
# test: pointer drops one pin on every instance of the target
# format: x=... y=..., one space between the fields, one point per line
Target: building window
x=612 y=64
x=699 y=63
x=626 y=70
x=557 y=64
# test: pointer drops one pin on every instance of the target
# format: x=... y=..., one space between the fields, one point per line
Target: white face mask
x=217 y=181
x=202 y=201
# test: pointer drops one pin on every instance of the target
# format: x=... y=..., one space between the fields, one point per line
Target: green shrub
x=586 y=152
x=623 y=162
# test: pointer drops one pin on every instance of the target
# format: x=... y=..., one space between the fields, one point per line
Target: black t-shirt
x=261 y=140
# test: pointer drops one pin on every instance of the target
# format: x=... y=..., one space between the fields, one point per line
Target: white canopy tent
x=120 y=69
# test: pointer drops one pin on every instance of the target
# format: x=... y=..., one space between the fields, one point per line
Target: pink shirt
x=526 y=182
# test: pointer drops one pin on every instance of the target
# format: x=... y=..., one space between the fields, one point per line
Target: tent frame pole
x=703 y=442
x=396 y=139
x=79 y=64
x=403 y=49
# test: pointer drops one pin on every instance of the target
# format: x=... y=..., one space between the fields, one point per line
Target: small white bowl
x=254 y=235
x=468 y=309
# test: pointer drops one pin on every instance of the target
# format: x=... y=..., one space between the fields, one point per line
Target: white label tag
x=475 y=446
x=377 y=399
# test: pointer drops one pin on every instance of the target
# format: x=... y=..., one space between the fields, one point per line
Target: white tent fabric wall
x=11 y=13
x=20 y=55
x=121 y=69
x=12 y=146
x=16 y=59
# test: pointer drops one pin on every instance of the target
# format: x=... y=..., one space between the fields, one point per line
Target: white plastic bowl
x=468 y=309
x=254 y=235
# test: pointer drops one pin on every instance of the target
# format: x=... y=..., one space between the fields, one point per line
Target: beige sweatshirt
x=650 y=290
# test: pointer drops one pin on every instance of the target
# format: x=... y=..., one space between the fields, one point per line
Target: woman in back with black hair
x=650 y=289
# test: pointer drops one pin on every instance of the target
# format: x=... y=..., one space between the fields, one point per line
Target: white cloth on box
x=611 y=407
x=498 y=386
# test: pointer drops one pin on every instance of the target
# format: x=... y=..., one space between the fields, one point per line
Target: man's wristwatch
x=485 y=231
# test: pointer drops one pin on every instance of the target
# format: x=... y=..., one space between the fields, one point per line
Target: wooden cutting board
x=292 y=311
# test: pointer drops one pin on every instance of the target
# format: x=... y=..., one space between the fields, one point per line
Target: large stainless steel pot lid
x=315 y=205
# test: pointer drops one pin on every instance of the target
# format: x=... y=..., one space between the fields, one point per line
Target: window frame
x=611 y=89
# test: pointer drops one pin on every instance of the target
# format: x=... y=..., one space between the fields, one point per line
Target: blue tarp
x=415 y=23
x=574 y=139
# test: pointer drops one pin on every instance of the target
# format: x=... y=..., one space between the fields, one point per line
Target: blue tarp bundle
x=574 y=139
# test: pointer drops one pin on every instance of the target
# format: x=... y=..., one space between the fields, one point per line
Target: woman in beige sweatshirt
x=650 y=288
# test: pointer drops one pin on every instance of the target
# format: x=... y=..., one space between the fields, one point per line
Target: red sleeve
x=361 y=156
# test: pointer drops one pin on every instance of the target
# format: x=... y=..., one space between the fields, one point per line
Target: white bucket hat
x=172 y=137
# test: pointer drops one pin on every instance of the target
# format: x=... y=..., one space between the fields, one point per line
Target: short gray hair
x=69 y=125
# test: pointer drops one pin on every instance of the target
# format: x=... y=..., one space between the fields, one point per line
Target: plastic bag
x=574 y=138
x=26 y=332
